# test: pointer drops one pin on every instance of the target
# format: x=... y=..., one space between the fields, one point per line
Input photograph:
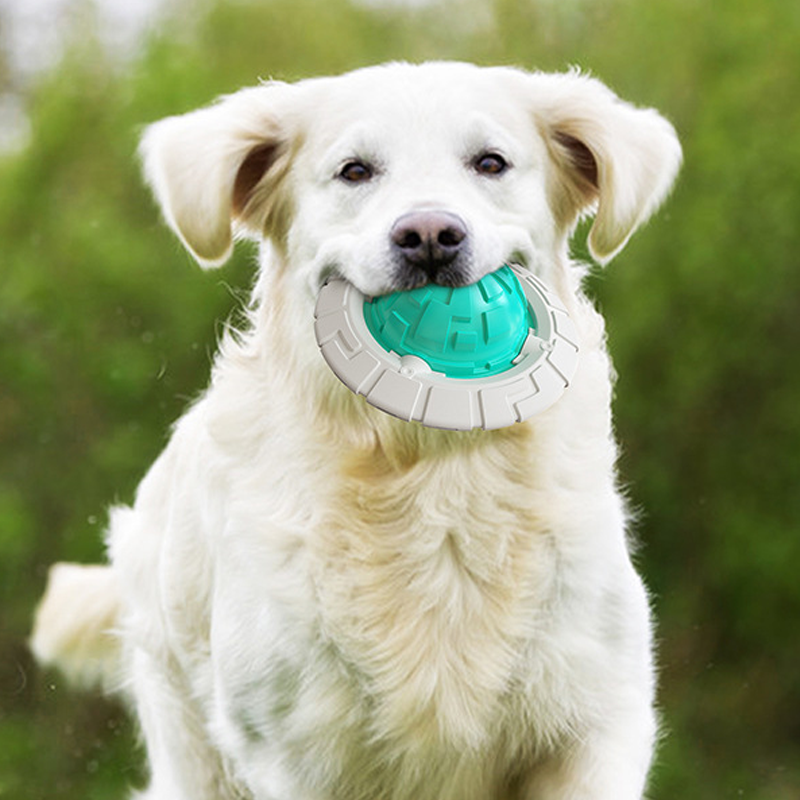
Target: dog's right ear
x=221 y=167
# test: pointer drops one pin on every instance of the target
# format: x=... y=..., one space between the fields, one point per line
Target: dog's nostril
x=408 y=240
x=451 y=237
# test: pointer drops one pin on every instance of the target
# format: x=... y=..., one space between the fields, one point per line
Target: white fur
x=75 y=623
x=322 y=602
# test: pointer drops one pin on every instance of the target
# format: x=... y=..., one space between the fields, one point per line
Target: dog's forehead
x=403 y=101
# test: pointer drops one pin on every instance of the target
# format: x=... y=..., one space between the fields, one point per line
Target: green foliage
x=106 y=331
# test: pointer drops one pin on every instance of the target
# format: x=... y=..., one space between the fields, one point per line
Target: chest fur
x=427 y=575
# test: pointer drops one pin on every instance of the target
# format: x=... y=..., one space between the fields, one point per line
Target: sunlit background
x=107 y=330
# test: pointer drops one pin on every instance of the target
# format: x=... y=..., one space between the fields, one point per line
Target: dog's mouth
x=452 y=275
x=329 y=272
x=449 y=276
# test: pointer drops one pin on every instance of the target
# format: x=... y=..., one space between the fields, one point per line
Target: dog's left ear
x=221 y=167
x=611 y=157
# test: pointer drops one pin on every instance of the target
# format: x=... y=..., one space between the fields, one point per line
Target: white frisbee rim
x=406 y=387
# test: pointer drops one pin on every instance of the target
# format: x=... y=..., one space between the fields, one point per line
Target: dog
x=313 y=600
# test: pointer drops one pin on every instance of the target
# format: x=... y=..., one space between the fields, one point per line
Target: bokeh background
x=107 y=330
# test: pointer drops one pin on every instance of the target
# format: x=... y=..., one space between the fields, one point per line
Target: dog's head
x=397 y=175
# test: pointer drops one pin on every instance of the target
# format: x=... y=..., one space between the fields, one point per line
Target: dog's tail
x=75 y=625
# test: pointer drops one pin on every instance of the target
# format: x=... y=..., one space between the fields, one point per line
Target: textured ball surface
x=464 y=332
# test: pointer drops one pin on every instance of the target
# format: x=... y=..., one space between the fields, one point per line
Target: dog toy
x=485 y=355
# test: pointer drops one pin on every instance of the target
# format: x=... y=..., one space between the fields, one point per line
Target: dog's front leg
x=608 y=764
x=183 y=764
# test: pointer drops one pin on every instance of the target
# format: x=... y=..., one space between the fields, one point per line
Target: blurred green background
x=107 y=330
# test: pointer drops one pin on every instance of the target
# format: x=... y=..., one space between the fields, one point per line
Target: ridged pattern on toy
x=465 y=332
x=406 y=388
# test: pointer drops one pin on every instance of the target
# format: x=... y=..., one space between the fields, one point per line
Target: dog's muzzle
x=430 y=246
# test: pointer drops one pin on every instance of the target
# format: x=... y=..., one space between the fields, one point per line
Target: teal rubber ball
x=463 y=332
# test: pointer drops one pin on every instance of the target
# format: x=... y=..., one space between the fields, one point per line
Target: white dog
x=313 y=600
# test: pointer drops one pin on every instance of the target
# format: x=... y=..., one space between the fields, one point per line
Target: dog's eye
x=490 y=164
x=355 y=172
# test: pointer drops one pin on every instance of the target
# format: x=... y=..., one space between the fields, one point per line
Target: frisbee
x=486 y=355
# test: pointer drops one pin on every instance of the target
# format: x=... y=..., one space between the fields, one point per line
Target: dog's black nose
x=429 y=241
